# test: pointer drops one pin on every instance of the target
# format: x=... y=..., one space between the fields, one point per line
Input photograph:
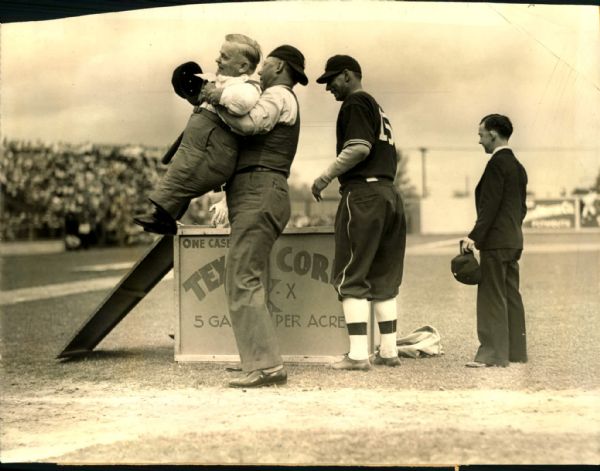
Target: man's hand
x=467 y=245
x=317 y=187
x=221 y=213
x=211 y=94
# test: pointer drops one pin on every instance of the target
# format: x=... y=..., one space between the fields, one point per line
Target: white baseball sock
x=356 y=313
x=387 y=315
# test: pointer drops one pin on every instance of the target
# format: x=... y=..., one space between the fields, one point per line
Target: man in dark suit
x=500 y=202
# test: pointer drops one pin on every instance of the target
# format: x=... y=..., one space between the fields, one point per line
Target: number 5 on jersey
x=386 y=134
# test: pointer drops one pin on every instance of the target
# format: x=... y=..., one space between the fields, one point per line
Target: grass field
x=130 y=402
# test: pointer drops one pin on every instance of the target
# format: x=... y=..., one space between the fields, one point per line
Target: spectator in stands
x=41 y=184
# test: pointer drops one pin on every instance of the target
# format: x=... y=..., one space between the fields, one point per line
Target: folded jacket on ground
x=422 y=342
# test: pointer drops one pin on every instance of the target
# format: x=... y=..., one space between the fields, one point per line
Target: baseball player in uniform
x=206 y=156
x=370 y=226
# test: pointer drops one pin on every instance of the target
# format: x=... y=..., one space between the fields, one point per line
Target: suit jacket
x=500 y=202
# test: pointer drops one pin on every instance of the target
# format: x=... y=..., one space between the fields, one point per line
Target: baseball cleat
x=391 y=361
x=348 y=363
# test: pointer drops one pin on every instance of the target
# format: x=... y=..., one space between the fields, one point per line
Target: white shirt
x=239 y=95
x=277 y=104
x=499 y=148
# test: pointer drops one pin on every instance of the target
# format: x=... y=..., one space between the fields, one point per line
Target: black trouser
x=500 y=312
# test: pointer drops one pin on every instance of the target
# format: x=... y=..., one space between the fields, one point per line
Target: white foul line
x=61 y=289
x=104 y=267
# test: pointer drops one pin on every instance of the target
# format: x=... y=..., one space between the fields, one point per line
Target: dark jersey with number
x=362 y=121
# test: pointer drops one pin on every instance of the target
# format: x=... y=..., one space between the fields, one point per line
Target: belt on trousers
x=260 y=168
x=368 y=180
x=365 y=180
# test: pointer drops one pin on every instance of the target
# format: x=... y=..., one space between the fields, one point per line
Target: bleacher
x=57 y=190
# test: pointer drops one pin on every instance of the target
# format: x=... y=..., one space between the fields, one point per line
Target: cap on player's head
x=294 y=59
x=337 y=64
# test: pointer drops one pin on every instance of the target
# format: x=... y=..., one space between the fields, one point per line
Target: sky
x=435 y=68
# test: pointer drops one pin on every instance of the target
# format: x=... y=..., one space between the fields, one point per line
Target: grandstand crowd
x=86 y=194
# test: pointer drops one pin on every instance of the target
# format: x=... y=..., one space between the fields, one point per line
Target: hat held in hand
x=465 y=267
x=185 y=83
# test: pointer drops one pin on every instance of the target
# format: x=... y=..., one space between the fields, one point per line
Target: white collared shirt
x=239 y=95
x=277 y=104
x=499 y=148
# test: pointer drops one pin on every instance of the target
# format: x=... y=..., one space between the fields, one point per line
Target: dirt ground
x=82 y=424
x=131 y=403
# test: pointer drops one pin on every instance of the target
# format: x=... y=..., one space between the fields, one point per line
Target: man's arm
x=238 y=98
x=350 y=156
x=524 y=197
x=243 y=125
x=221 y=213
x=261 y=119
x=358 y=124
x=490 y=198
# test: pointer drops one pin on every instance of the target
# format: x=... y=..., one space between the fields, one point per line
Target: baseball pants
x=370 y=241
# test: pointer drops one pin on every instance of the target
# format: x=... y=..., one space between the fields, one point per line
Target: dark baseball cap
x=466 y=269
x=294 y=58
x=336 y=65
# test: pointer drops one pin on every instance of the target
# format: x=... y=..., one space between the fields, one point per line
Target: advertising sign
x=307 y=315
x=204 y=326
x=560 y=213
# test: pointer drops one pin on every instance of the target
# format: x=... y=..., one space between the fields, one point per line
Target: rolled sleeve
x=240 y=98
x=276 y=105
x=265 y=115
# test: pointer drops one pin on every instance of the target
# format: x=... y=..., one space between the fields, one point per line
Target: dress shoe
x=153 y=222
x=477 y=364
x=392 y=361
x=348 y=363
x=258 y=378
